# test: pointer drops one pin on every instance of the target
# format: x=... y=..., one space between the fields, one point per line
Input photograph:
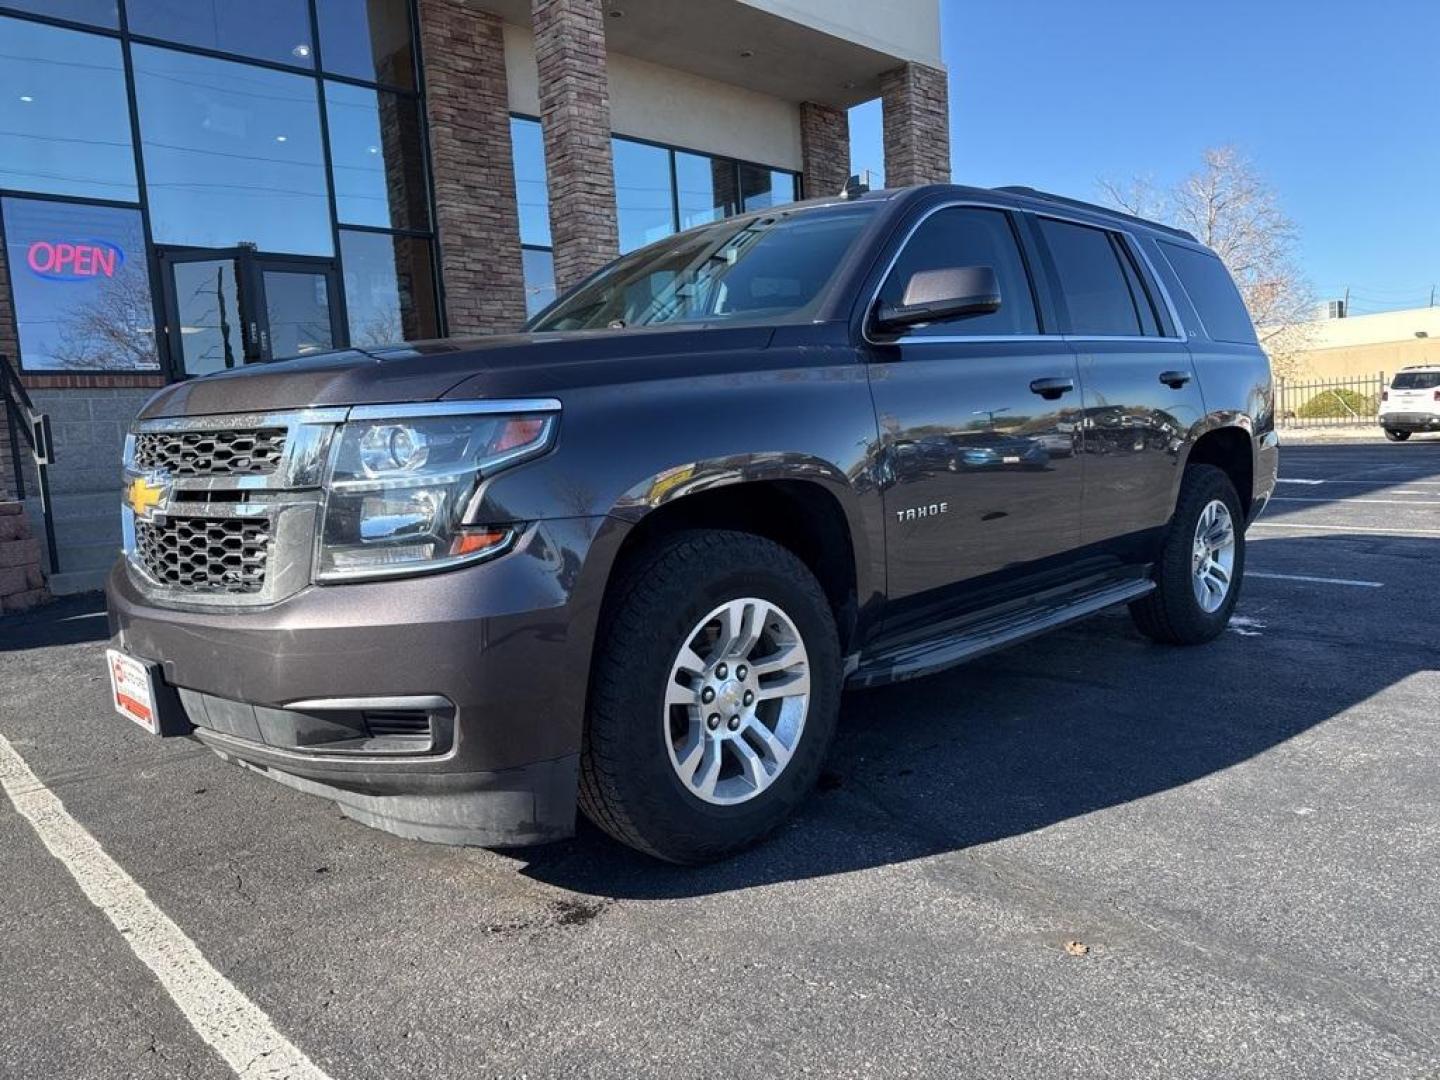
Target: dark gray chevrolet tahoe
x=630 y=558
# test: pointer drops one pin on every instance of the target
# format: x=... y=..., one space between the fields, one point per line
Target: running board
x=985 y=635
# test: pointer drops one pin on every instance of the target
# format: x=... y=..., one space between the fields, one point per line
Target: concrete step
x=84 y=504
x=79 y=581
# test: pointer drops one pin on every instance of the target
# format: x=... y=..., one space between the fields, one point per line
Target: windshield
x=1416 y=380
x=753 y=269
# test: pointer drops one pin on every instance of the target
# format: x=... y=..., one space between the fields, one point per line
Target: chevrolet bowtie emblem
x=144 y=494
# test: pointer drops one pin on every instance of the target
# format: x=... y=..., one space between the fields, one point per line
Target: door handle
x=1051 y=389
x=1175 y=379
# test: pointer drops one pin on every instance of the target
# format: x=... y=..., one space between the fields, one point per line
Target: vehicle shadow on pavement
x=69 y=620
x=1090 y=717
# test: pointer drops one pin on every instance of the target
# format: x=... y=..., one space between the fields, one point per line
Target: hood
x=513 y=365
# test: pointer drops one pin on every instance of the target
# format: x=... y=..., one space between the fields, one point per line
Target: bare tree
x=1230 y=208
x=113 y=330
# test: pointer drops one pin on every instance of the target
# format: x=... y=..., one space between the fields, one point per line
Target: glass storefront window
x=367 y=39
x=539 y=279
x=706 y=186
x=531 y=186
x=389 y=288
x=96 y=12
x=233 y=155
x=64 y=123
x=378 y=157
x=761 y=188
x=81 y=287
x=277 y=30
x=642 y=193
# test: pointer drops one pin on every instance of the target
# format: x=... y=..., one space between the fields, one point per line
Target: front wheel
x=1198 y=575
x=1396 y=436
x=713 y=699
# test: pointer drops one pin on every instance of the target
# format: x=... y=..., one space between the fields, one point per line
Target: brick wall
x=825 y=146
x=575 y=120
x=916 y=106
x=22 y=583
x=475 y=207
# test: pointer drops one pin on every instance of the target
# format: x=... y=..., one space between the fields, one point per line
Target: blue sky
x=1338 y=105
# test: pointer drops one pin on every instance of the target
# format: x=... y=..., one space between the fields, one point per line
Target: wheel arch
x=1226 y=443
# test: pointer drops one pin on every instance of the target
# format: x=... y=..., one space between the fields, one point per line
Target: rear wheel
x=1198 y=574
x=1396 y=436
x=713 y=699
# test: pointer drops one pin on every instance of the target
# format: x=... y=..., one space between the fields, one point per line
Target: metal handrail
x=21 y=419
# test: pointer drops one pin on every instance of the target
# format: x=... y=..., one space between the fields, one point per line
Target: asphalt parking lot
x=1245 y=838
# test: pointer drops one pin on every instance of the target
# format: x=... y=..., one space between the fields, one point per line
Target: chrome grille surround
x=238 y=452
x=232 y=535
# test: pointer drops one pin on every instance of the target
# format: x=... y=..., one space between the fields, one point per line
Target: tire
x=1396 y=436
x=1173 y=614
x=633 y=783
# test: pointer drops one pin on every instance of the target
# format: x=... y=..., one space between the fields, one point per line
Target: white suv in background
x=1412 y=402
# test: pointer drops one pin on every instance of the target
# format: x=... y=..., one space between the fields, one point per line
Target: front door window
x=228 y=308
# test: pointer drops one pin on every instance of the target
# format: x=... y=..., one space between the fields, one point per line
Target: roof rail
x=1080 y=204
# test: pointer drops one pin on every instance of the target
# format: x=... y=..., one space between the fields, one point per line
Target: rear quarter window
x=1213 y=292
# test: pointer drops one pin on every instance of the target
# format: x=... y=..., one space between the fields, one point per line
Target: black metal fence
x=1329 y=402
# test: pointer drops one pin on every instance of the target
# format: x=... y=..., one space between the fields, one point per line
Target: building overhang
x=798 y=56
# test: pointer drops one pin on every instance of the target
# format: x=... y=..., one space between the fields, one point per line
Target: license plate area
x=138 y=693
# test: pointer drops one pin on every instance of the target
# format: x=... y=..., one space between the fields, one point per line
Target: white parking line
x=1352 y=501
x=220 y=1014
x=1370 y=483
x=1316 y=580
x=1344 y=528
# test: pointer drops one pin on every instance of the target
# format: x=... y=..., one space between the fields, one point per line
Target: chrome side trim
x=424 y=702
x=403 y=410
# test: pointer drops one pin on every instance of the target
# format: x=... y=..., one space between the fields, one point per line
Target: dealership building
x=192 y=185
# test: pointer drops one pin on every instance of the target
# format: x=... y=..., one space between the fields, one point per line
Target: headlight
x=400 y=490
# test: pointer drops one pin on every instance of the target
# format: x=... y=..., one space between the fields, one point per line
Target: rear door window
x=1094 y=284
x=968 y=236
x=1217 y=301
x=1416 y=380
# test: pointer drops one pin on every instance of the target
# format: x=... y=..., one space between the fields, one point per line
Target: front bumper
x=1411 y=422
x=498 y=652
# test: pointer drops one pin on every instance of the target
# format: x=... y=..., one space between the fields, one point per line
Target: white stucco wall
x=909 y=29
x=653 y=102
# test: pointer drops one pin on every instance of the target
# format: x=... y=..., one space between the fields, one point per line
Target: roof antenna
x=856 y=186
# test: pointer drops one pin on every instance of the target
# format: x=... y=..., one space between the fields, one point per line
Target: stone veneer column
x=477 y=216
x=825 y=148
x=575 y=120
x=916 y=107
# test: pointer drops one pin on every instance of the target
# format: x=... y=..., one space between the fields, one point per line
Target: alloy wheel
x=1213 y=563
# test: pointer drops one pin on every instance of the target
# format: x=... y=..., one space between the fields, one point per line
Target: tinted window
x=754 y=270
x=761 y=188
x=82 y=291
x=707 y=188
x=1139 y=294
x=276 y=30
x=966 y=236
x=99 y=12
x=64 y=124
x=389 y=288
x=539 y=279
x=531 y=187
x=367 y=39
x=1416 y=380
x=232 y=154
x=642 y=194
x=1092 y=280
x=377 y=154
x=1216 y=299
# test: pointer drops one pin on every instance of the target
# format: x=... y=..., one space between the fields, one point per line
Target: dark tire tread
x=655 y=583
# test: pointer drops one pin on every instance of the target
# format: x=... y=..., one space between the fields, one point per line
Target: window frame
x=171 y=367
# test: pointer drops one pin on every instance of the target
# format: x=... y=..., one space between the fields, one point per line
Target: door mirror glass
x=948 y=293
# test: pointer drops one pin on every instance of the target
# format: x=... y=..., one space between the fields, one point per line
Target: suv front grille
x=255 y=452
x=205 y=555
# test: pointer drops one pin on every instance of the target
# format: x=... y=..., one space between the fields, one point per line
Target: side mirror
x=936 y=295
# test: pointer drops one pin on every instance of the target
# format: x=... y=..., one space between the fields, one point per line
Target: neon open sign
x=75 y=260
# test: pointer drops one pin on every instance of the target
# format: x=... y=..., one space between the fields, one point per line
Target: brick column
x=10 y=349
x=916 y=107
x=575 y=120
x=22 y=583
x=825 y=147
x=477 y=218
